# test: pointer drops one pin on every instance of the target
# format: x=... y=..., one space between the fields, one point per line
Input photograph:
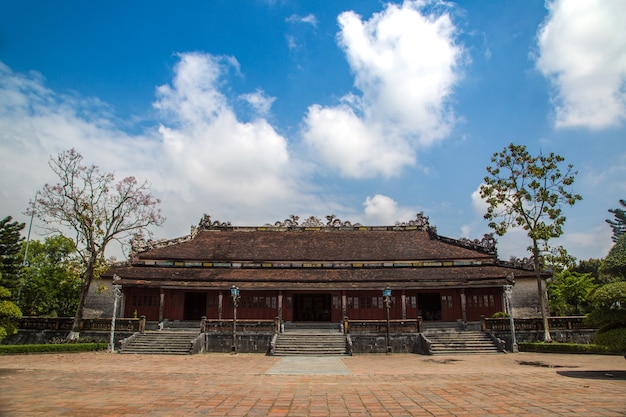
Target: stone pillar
x=463 y=307
x=122 y=309
x=344 y=305
x=280 y=305
x=220 y=301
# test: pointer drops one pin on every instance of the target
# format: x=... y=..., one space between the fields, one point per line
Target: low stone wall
x=246 y=342
x=362 y=343
x=377 y=343
x=582 y=336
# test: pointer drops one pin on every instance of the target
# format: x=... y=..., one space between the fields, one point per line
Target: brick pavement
x=102 y=384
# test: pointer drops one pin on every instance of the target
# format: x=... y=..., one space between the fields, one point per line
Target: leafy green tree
x=528 y=191
x=558 y=259
x=10 y=253
x=97 y=210
x=609 y=314
x=589 y=266
x=618 y=224
x=51 y=278
x=614 y=265
x=570 y=293
x=9 y=313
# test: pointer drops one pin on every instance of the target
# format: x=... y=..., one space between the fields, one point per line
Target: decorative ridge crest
x=421 y=222
x=139 y=244
x=488 y=243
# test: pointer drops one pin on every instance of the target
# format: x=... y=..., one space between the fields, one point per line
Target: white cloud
x=243 y=165
x=582 y=50
x=261 y=103
x=383 y=210
x=309 y=19
x=405 y=65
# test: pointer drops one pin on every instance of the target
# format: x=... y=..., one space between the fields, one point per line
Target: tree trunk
x=543 y=295
x=77 y=324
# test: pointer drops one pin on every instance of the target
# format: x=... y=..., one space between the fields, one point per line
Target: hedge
x=558 y=347
x=51 y=348
x=613 y=338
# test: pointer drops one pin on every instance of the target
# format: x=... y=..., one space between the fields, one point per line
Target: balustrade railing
x=244 y=325
x=380 y=326
x=65 y=323
x=532 y=324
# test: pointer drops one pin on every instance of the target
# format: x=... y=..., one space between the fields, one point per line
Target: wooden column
x=161 y=304
x=280 y=305
x=463 y=305
x=403 y=296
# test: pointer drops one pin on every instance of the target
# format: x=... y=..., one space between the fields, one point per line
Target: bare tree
x=528 y=192
x=97 y=210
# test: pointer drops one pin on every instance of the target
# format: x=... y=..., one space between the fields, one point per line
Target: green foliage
x=613 y=339
x=10 y=253
x=500 y=315
x=614 y=264
x=589 y=266
x=619 y=223
x=9 y=314
x=526 y=191
x=51 y=279
x=609 y=306
x=48 y=348
x=558 y=259
x=556 y=347
x=570 y=293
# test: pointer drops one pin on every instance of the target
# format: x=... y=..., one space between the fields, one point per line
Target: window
x=145 y=301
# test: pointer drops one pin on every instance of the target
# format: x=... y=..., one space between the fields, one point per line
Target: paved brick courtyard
x=103 y=384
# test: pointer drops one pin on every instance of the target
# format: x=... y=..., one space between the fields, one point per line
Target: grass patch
x=558 y=347
x=52 y=348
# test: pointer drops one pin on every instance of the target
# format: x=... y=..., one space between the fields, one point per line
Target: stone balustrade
x=65 y=323
x=380 y=326
x=534 y=324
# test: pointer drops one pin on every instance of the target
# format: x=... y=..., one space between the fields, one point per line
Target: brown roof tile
x=319 y=245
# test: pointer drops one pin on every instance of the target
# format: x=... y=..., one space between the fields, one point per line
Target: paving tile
x=88 y=384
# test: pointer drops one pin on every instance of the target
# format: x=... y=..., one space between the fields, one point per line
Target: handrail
x=531 y=324
x=378 y=326
x=65 y=323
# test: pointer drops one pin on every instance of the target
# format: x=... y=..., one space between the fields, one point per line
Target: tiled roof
x=298 y=257
x=317 y=245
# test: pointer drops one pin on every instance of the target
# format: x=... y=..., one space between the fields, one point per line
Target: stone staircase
x=450 y=341
x=311 y=340
x=161 y=342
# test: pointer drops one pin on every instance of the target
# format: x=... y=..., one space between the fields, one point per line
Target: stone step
x=310 y=343
x=460 y=342
x=161 y=342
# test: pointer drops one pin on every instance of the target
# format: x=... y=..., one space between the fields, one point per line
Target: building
x=315 y=272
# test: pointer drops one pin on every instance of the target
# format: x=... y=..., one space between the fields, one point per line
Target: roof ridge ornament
x=206 y=223
x=488 y=242
x=421 y=222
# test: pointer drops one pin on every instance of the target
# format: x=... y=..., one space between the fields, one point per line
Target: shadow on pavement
x=606 y=375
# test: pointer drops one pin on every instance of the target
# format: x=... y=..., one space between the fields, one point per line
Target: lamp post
x=234 y=293
x=387 y=301
x=508 y=290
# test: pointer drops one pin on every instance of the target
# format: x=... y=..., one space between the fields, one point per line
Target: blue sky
x=251 y=111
